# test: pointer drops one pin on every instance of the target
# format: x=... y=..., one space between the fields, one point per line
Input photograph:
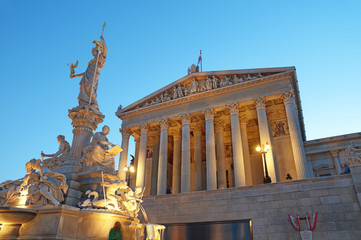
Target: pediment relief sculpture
x=194 y=86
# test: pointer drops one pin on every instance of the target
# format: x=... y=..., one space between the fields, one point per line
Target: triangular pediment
x=203 y=82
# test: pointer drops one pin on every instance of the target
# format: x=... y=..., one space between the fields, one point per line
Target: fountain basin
x=11 y=215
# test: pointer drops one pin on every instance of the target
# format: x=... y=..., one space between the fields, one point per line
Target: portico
x=208 y=132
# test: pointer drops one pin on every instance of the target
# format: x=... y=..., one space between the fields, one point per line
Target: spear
x=95 y=70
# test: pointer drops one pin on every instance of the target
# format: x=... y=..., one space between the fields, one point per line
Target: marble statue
x=157 y=100
x=175 y=93
x=193 y=68
x=223 y=83
x=208 y=84
x=96 y=156
x=203 y=87
x=228 y=80
x=153 y=231
x=235 y=79
x=162 y=97
x=39 y=187
x=166 y=97
x=146 y=104
x=180 y=91
x=194 y=86
x=186 y=91
x=214 y=82
x=58 y=157
x=353 y=152
x=89 y=79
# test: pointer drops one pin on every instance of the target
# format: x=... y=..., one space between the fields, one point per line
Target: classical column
x=124 y=154
x=336 y=161
x=221 y=170
x=210 y=150
x=246 y=156
x=295 y=134
x=197 y=157
x=176 y=161
x=142 y=155
x=186 y=154
x=155 y=159
x=237 y=149
x=163 y=157
x=265 y=137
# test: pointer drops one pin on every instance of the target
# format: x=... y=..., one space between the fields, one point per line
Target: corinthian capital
x=208 y=114
x=126 y=132
x=164 y=124
x=244 y=121
x=260 y=103
x=143 y=128
x=185 y=119
x=288 y=96
x=334 y=153
x=233 y=108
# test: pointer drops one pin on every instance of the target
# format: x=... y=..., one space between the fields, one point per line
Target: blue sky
x=151 y=43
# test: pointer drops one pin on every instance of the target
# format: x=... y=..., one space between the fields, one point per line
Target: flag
x=200 y=57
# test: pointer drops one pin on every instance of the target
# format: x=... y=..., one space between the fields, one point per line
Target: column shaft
x=265 y=137
x=237 y=149
x=246 y=156
x=124 y=154
x=295 y=134
x=198 y=158
x=142 y=155
x=163 y=158
x=336 y=161
x=221 y=170
x=155 y=160
x=186 y=155
x=210 y=151
x=176 y=162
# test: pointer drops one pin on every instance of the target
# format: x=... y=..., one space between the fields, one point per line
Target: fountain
x=76 y=193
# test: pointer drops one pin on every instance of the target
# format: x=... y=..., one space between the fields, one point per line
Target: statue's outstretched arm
x=76 y=75
x=105 y=50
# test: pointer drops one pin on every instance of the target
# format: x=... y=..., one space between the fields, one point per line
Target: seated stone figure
x=58 y=157
x=96 y=156
x=39 y=187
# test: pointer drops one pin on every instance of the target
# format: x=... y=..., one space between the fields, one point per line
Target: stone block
x=353 y=216
x=331 y=217
x=348 y=225
x=72 y=201
x=319 y=235
x=355 y=235
x=242 y=208
x=74 y=193
x=330 y=200
x=348 y=198
x=338 y=235
x=326 y=226
x=343 y=190
x=319 y=193
x=298 y=195
x=74 y=184
x=343 y=207
x=310 y=201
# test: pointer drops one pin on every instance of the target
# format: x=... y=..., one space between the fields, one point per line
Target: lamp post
x=263 y=150
x=129 y=170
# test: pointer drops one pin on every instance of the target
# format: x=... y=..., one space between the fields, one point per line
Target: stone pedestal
x=84 y=121
x=67 y=222
x=93 y=182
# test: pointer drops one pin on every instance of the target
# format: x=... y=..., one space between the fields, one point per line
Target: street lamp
x=129 y=169
x=263 y=150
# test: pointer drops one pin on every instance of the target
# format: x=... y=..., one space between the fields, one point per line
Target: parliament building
x=224 y=155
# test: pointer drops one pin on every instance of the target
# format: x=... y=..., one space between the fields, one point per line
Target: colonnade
x=215 y=152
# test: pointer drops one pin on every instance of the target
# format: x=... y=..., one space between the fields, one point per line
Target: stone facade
x=334 y=198
x=200 y=143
